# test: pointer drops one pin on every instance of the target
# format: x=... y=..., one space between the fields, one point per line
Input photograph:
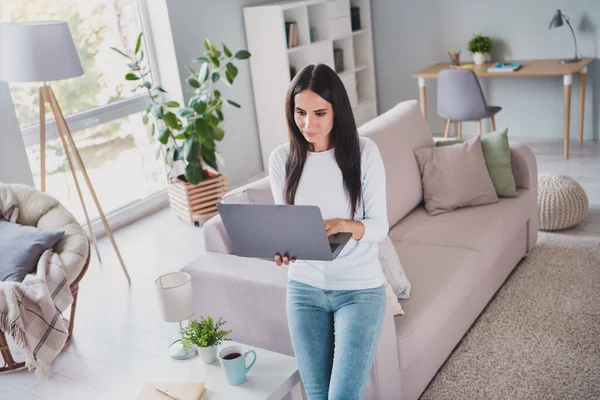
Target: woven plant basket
x=197 y=203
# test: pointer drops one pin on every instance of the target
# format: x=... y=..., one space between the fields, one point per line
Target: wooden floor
x=119 y=339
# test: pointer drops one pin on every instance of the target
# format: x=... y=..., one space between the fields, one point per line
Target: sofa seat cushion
x=487 y=228
x=440 y=277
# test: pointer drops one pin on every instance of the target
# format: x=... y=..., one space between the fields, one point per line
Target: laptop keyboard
x=334 y=246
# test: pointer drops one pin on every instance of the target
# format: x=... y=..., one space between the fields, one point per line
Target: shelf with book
x=299 y=34
x=322 y=27
x=360 y=14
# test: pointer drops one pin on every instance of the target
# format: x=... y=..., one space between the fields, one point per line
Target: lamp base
x=569 y=60
x=178 y=352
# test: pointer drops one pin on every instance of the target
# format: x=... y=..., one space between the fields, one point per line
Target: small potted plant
x=480 y=46
x=205 y=334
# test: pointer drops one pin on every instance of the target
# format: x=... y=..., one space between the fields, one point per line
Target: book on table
x=505 y=67
x=182 y=390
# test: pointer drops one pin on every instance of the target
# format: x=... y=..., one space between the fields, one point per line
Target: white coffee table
x=271 y=377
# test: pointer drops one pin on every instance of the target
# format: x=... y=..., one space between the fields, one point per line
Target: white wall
x=14 y=167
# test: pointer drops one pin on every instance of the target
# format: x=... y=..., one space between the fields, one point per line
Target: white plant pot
x=208 y=354
x=479 y=58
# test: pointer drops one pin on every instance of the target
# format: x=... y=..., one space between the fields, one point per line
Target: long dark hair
x=326 y=83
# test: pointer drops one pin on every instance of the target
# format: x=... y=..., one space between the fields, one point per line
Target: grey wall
x=14 y=167
x=221 y=21
x=410 y=35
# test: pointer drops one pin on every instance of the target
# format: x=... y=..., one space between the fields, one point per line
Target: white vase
x=208 y=354
x=479 y=58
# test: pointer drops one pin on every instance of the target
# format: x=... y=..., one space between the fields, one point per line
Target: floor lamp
x=43 y=51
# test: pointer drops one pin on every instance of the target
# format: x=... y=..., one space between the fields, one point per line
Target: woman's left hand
x=335 y=225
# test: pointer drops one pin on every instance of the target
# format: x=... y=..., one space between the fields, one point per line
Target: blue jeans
x=334 y=335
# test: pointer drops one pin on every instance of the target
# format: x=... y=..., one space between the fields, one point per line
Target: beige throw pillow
x=454 y=177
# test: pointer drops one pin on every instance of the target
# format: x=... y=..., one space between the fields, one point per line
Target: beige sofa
x=455 y=262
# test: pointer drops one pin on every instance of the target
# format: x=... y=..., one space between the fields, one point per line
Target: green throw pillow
x=496 y=152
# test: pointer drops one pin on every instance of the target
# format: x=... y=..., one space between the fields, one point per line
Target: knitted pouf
x=562 y=202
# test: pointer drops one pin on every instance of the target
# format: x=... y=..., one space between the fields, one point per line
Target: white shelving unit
x=272 y=59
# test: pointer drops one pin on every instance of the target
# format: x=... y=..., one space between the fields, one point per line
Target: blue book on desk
x=505 y=67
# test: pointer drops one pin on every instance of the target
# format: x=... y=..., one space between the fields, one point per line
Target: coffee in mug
x=233 y=362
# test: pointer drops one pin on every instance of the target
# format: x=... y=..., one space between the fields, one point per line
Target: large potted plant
x=480 y=46
x=188 y=134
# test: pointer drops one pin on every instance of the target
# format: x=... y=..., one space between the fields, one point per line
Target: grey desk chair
x=460 y=98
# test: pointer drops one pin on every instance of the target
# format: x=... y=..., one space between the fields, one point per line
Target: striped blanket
x=31 y=311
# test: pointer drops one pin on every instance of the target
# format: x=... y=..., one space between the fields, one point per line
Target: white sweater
x=357 y=266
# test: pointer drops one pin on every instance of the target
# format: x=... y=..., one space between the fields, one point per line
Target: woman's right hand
x=285 y=260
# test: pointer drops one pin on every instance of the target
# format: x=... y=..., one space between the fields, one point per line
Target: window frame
x=95 y=116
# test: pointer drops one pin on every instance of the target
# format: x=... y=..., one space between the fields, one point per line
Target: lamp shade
x=175 y=296
x=557 y=20
x=37 y=51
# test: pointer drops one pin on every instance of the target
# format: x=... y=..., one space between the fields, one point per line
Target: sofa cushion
x=455 y=177
x=488 y=228
x=21 y=248
x=496 y=151
x=438 y=275
x=257 y=192
x=397 y=133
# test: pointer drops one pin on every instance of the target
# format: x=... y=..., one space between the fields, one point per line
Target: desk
x=530 y=68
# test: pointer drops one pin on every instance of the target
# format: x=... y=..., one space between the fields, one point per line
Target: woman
x=335 y=308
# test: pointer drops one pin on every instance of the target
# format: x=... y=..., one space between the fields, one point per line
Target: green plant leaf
x=217 y=94
x=121 y=53
x=132 y=77
x=153 y=129
x=208 y=142
x=208 y=45
x=201 y=127
x=228 y=79
x=218 y=133
x=242 y=55
x=157 y=110
x=161 y=90
x=193 y=82
x=171 y=120
x=193 y=173
x=215 y=62
x=233 y=103
x=164 y=136
x=233 y=71
x=140 y=56
x=145 y=119
x=208 y=156
x=226 y=50
x=181 y=136
x=146 y=85
x=216 y=76
x=192 y=72
x=220 y=115
x=203 y=74
x=139 y=43
x=201 y=59
x=185 y=112
x=173 y=104
x=200 y=107
x=191 y=149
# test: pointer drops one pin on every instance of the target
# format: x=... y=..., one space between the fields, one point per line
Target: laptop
x=263 y=230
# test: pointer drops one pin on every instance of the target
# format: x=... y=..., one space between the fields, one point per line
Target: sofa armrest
x=250 y=294
x=215 y=235
x=524 y=166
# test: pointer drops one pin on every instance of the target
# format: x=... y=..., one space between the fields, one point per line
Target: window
x=103 y=114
